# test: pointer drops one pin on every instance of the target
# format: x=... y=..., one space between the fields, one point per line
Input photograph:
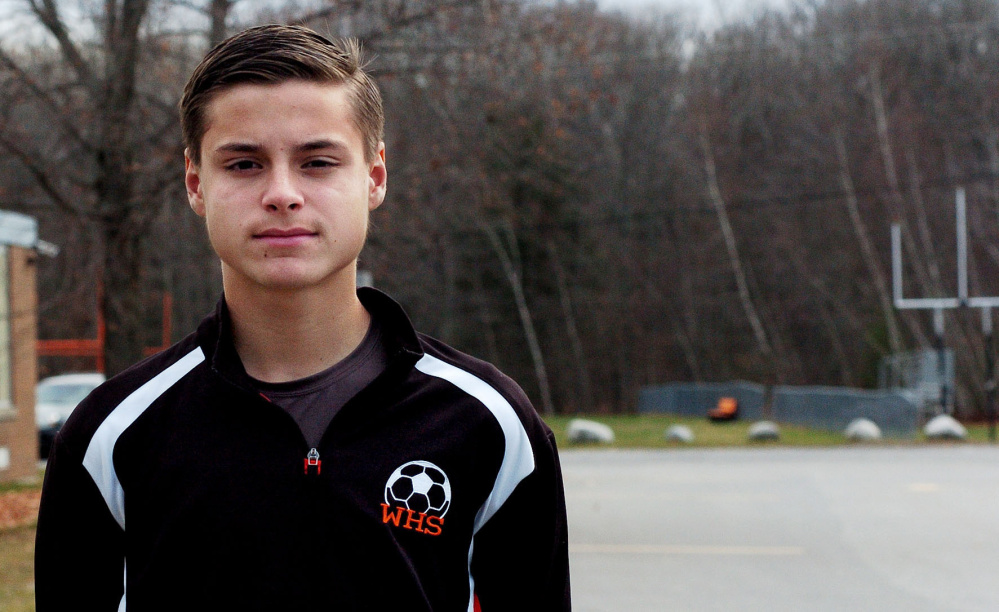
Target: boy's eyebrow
x=312 y=145
x=238 y=147
x=317 y=145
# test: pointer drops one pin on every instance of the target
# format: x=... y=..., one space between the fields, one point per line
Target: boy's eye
x=243 y=164
x=319 y=163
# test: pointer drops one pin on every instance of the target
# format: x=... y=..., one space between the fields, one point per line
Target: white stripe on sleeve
x=124 y=583
x=99 y=457
x=518 y=456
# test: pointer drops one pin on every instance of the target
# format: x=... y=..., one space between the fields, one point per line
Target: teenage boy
x=305 y=448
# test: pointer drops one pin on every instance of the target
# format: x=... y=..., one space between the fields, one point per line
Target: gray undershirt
x=313 y=401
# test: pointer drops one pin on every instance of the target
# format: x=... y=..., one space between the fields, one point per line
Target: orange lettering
x=434 y=525
x=390 y=517
x=410 y=521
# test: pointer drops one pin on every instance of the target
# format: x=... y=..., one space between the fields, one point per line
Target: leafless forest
x=594 y=202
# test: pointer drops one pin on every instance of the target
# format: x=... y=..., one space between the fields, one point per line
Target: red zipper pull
x=312 y=459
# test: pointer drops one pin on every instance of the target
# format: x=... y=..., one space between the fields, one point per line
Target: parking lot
x=850 y=528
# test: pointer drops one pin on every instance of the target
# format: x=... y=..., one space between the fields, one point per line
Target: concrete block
x=679 y=433
x=764 y=431
x=583 y=431
x=945 y=427
x=862 y=430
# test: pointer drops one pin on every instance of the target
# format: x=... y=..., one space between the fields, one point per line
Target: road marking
x=643 y=549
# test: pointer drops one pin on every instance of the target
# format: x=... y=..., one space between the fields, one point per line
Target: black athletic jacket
x=176 y=486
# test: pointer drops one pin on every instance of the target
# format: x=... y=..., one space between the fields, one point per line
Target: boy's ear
x=377 y=179
x=192 y=180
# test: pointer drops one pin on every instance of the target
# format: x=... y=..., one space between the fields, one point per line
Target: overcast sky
x=707 y=12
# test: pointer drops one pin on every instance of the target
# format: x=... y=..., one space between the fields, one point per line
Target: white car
x=55 y=399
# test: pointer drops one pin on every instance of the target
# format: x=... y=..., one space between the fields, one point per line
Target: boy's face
x=283 y=184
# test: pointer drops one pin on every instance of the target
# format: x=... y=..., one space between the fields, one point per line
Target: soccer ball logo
x=419 y=486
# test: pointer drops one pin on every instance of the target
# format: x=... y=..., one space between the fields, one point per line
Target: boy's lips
x=284 y=237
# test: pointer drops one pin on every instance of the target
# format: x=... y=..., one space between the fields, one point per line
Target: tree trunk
x=486 y=320
x=992 y=146
x=121 y=302
x=686 y=328
x=118 y=209
x=891 y=174
x=732 y=248
x=449 y=324
x=218 y=12
x=526 y=321
x=866 y=247
x=582 y=370
x=923 y=225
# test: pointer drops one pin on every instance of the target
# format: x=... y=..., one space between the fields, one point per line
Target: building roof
x=18 y=230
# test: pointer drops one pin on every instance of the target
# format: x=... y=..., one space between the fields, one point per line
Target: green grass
x=17 y=551
x=17 y=590
x=646 y=431
x=978 y=432
x=21 y=485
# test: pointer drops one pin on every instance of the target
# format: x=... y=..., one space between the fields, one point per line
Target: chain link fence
x=926 y=378
x=829 y=408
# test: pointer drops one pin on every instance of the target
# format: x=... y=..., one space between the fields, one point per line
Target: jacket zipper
x=313 y=496
x=312 y=461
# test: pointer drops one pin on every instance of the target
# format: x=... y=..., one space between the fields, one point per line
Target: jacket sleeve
x=79 y=547
x=521 y=556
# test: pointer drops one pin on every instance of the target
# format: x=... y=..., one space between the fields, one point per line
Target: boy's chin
x=294 y=280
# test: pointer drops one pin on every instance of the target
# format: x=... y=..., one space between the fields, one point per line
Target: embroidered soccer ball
x=419 y=486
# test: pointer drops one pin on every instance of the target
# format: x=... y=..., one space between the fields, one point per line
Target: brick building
x=18 y=334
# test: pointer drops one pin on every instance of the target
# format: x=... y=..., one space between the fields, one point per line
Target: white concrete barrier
x=680 y=433
x=583 y=431
x=945 y=427
x=862 y=430
x=764 y=431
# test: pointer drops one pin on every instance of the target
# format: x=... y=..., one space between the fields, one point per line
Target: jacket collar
x=215 y=336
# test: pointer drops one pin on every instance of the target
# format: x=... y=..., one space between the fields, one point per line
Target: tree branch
x=330 y=11
x=48 y=14
x=41 y=177
x=37 y=91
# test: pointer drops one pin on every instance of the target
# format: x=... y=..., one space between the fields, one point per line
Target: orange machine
x=727 y=410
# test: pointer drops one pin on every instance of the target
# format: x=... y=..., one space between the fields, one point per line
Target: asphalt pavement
x=847 y=528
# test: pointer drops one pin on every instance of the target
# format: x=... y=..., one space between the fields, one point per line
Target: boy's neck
x=283 y=335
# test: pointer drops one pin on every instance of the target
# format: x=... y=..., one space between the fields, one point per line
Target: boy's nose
x=281 y=192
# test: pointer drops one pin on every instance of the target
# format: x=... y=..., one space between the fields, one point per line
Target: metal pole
x=938 y=329
x=939 y=304
x=990 y=373
x=896 y=263
x=962 y=247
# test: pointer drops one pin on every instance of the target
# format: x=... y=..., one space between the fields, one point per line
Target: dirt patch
x=18 y=508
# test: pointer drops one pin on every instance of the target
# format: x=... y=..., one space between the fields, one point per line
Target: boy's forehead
x=246 y=105
x=263 y=93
